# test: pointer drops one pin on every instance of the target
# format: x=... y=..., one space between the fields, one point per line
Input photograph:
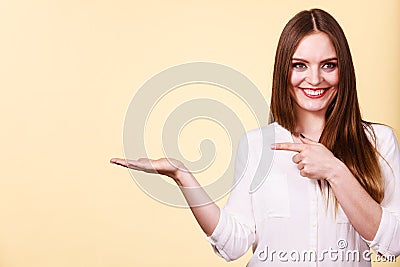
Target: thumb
x=306 y=140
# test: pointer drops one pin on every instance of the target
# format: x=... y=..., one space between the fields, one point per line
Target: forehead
x=315 y=47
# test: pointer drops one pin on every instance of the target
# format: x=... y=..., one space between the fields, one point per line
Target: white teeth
x=314 y=92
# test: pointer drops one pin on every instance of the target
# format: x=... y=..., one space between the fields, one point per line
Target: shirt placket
x=313 y=240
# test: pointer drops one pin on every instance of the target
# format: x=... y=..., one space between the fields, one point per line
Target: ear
x=306 y=140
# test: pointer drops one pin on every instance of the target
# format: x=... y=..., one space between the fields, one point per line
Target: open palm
x=165 y=166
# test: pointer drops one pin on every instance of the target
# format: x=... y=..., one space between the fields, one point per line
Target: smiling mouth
x=314 y=92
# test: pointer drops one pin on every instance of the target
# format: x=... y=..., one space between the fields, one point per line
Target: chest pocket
x=272 y=198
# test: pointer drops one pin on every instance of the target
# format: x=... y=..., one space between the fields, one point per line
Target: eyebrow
x=325 y=60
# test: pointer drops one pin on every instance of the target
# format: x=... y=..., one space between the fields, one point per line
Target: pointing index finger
x=288 y=146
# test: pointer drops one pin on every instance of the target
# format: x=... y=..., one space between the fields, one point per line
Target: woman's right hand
x=165 y=166
x=203 y=207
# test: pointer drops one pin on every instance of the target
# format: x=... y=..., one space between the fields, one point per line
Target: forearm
x=204 y=209
x=362 y=210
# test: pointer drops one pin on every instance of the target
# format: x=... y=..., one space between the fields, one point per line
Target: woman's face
x=314 y=74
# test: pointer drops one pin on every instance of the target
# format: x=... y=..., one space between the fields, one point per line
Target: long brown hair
x=345 y=133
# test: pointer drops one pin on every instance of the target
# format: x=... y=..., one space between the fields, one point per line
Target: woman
x=333 y=188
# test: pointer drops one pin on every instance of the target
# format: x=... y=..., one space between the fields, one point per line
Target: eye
x=299 y=66
x=329 y=65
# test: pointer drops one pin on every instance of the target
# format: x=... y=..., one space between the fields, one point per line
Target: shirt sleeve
x=387 y=239
x=235 y=231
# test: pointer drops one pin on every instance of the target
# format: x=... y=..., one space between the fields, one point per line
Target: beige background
x=68 y=72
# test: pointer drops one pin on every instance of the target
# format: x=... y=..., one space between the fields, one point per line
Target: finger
x=300 y=166
x=141 y=165
x=118 y=161
x=288 y=146
x=144 y=160
x=297 y=158
x=306 y=140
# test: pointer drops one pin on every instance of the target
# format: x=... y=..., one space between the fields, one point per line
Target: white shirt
x=286 y=219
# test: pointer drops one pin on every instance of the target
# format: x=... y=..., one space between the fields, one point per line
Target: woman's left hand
x=313 y=159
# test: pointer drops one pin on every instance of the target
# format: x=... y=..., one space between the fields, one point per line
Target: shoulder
x=267 y=134
x=384 y=137
x=381 y=130
x=256 y=144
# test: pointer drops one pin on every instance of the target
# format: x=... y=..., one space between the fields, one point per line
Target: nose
x=314 y=76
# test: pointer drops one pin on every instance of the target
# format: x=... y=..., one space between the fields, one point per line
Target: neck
x=310 y=124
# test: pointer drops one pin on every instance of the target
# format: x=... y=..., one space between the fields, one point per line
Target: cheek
x=296 y=78
x=333 y=79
